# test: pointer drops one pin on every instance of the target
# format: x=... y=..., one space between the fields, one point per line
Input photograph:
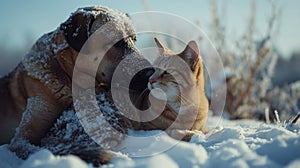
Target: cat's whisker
x=143 y=93
x=186 y=100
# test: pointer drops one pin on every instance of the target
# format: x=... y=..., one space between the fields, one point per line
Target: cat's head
x=177 y=70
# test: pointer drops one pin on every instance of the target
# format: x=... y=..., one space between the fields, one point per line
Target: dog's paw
x=22 y=148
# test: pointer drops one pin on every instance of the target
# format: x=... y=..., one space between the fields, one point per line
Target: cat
x=181 y=77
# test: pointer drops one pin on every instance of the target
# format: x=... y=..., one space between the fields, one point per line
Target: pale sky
x=20 y=19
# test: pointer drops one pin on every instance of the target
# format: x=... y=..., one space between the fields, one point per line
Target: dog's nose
x=151 y=81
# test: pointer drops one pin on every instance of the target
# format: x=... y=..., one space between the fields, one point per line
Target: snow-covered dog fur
x=38 y=90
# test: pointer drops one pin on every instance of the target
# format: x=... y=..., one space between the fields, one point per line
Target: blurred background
x=258 y=42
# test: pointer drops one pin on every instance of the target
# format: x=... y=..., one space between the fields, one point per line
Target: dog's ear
x=76 y=30
x=66 y=58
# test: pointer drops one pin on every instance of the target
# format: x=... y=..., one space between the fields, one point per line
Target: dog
x=39 y=89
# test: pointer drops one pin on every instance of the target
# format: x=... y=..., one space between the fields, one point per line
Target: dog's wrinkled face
x=115 y=42
x=112 y=58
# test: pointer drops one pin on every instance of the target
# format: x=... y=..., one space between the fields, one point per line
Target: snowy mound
x=231 y=144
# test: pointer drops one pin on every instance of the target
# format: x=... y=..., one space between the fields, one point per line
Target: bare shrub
x=250 y=65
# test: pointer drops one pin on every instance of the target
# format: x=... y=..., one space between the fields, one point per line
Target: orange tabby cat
x=180 y=76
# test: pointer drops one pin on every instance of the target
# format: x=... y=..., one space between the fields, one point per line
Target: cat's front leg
x=184 y=135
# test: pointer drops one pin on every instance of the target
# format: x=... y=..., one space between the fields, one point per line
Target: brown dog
x=35 y=94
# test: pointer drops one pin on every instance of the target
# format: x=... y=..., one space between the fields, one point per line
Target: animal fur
x=67 y=131
x=181 y=77
x=38 y=90
x=188 y=107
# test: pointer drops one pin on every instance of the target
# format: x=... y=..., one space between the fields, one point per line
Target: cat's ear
x=191 y=54
x=161 y=47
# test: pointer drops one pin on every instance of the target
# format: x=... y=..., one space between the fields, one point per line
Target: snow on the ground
x=242 y=143
x=45 y=159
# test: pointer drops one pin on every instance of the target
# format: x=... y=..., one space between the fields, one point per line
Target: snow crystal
x=41 y=59
x=118 y=20
x=76 y=31
x=66 y=131
x=22 y=146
